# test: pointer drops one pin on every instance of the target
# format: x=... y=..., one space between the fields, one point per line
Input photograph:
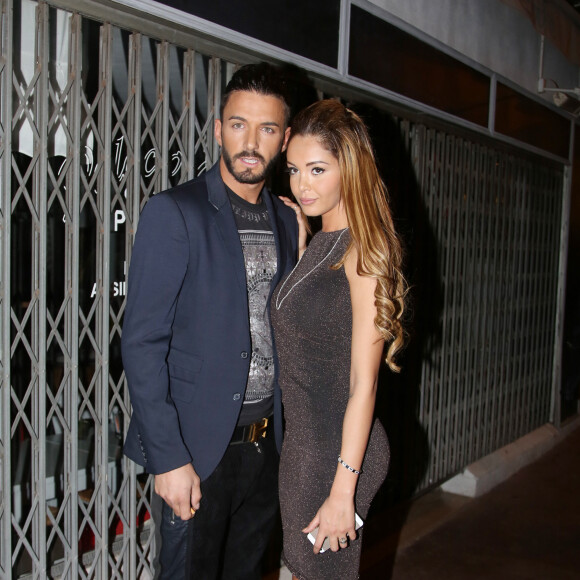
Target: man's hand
x=181 y=490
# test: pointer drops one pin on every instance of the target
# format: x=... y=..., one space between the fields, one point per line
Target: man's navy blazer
x=186 y=334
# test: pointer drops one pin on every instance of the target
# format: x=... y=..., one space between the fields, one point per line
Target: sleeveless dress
x=312 y=318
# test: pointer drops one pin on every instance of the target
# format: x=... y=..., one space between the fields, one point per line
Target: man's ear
x=286 y=137
x=217 y=131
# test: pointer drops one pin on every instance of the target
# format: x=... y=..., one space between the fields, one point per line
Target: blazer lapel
x=226 y=223
x=279 y=232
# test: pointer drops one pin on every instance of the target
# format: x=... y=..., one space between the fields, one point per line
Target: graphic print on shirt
x=260 y=257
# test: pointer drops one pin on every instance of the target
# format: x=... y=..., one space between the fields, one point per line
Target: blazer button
x=244 y=354
x=237 y=397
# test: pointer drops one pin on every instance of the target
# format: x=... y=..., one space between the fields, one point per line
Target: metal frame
x=496 y=217
x=134 y=112
x=160 y=21
x=5 y=204
x=119 y=151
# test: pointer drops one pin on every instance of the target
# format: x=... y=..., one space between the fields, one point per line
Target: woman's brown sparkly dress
x=312 y=318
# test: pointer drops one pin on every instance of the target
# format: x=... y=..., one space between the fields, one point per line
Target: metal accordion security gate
x=489 y=308
x=95 y=118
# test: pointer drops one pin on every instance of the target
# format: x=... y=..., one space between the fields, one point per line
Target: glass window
x=528 y=121
x=386 y=56
x=306 y=28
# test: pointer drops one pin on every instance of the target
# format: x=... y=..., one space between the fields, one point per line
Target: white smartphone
x=326 y=544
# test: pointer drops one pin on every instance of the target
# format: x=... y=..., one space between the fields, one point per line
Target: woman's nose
x=303 y=184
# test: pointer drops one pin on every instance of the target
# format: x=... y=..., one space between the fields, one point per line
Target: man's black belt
x=250 y=433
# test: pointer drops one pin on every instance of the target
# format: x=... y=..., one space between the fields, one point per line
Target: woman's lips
x=306 y=201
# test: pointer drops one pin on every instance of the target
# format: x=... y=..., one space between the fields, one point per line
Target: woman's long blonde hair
x=364 y=195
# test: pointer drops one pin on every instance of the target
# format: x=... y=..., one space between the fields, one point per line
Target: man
x=197 y=343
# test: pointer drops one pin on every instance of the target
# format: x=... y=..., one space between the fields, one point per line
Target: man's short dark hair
x=262 y=78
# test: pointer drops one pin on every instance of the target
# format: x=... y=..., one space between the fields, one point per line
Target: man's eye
x=317 y=170
x=268 y=129
x=238 y=125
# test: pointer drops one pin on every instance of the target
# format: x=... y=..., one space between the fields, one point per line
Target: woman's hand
x=335 y=520
x=303 y=228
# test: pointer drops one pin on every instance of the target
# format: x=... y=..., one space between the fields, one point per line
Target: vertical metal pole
x=541 y=80
x=550 y=187
x=468 y=233
x=444 y=230
x=484 y=354
x=548 y=193
x=504 y=250
x=40 y=194
x=73 y=195
x=542 y=238
x=454 y=248
x=133 y=208
x=189 y=101
x=482 y=311
x=471 y=303
x=519 y=189
x=492 y=103
x=555 y=407
x=427 y=370
x=501 y=310
x=6 y=47
x=543 y=226
x=558 y=210
x=162 y=122
x=214 y=94
x=432 y=201
x=419 y=156
x=102 y=331
x=343 y=37
x=463 y=152
x=548 y=197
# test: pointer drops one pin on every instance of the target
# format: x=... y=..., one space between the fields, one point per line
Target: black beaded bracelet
x=357 y=471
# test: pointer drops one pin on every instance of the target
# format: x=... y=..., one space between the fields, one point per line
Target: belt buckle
x=258 y=430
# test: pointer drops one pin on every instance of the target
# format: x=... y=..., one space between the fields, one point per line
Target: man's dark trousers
x=229 y=533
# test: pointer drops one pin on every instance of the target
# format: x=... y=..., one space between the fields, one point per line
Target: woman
x=332 y=317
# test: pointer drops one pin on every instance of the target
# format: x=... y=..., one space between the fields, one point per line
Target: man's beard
x=250 y=175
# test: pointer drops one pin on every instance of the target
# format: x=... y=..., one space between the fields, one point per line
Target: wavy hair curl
x=379 y=253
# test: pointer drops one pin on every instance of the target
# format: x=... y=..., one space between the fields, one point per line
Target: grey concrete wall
x=491 y=33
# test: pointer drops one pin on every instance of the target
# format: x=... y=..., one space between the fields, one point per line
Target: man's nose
x=252 y=140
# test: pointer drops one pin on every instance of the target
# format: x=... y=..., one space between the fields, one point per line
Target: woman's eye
x=292 y=170
x=317 y=170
